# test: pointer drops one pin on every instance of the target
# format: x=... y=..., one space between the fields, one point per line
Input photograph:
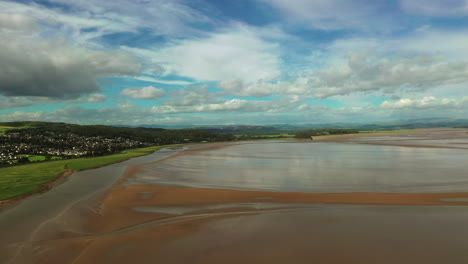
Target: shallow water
x=261 y=229
x=313 y=167
x=28 y=220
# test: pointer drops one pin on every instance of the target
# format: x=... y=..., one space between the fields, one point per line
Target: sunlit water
x=314 y=167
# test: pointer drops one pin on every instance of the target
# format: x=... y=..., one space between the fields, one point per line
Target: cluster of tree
x=71 y=141
x=243 y=130
x=149 y=135
x=321 y=132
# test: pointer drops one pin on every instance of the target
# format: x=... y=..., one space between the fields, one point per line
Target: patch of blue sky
x=46 y=107
x=376 y=100
x=172 y=77
x=317 y=36
x=50 y=4
x=89 y=29
x=248 y=11
x=143 y=38
x=450 y=23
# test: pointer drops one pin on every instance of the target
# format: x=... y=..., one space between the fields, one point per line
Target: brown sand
x=120 y=234
x=117 y=211
x=228 y=226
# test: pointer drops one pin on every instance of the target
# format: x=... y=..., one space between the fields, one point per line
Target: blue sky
x=216 y=62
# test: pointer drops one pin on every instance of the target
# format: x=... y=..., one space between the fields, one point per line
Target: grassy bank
x=23 y=179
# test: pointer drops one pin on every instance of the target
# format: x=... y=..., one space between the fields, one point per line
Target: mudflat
x=378 y=198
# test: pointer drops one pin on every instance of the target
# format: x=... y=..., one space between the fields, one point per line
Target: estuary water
x=307 y=166
x=397 y=199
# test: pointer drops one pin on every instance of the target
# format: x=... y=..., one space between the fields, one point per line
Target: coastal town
x=24 y=147
x=26 y=142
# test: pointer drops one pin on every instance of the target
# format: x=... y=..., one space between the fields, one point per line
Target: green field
x=5 y=128
x=33 y=158
x=22 y=179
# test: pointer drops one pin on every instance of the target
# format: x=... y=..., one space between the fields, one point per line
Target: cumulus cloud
x=428 y=106
x=426 y=102
x=283 y=104
x=435 y=7
x=96 y=98
x=230 y=112
x=262 y=88
x=192 y=95
x=32 y=66
x=237 y=53
x=17 y=22
x=148 y=92
x=363 y=72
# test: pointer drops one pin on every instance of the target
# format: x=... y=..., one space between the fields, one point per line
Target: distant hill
x=243 y=129
x=143 y=134
x=288 y=128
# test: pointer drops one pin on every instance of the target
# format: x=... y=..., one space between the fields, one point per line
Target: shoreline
x=142 y=222
x=67 y=172
x=325 y=138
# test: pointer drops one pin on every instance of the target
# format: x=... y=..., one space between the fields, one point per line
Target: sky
x=220 y=62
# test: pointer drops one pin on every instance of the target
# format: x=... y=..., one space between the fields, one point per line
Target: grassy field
x=22 y=179
x=5 y=128
x=33 y=158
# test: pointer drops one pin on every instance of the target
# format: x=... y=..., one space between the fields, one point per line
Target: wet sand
x=151 y=223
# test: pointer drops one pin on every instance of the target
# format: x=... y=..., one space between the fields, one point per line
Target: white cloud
x=450 y=43
x=361 y=72
x=102 y=17
x=96 y=98
x=428 y=106
x=364 y=72
x=235 y=54
x=283 y=104
x=435 y=7
x=426 y=102
x=16 y=22
x=192 y=95
x=262 y=88
x=148 y=92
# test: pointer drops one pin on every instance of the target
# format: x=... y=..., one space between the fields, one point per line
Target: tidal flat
x=373 y=198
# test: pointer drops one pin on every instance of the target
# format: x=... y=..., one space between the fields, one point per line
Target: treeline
x=322 y=132
x=243 y=130
x=150 y=135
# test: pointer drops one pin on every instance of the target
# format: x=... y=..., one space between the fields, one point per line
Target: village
x=22 y=147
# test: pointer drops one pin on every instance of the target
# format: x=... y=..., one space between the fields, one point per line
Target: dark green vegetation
x=23 y=179
x=323 y=132
x=23 y=139
x=280 y=130
x=42 y=151
x=251 y=132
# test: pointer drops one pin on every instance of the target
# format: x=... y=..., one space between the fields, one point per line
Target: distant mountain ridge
x=286 y=128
